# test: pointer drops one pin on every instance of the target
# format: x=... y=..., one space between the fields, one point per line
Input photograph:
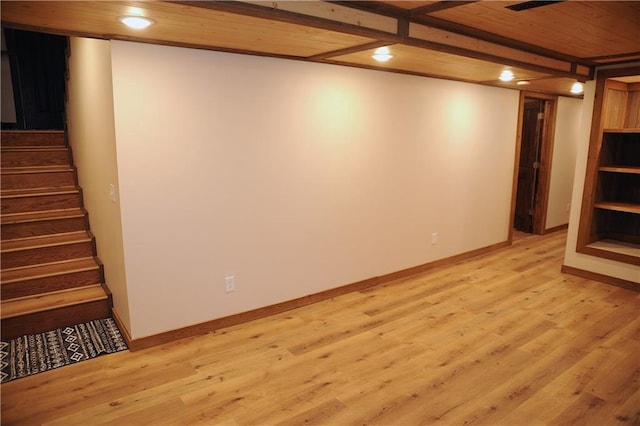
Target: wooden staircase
x=51 y=276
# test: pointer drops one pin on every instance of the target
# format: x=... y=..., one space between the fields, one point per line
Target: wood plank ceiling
x=548 y=46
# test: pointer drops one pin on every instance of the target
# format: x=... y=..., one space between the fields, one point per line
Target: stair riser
x=35 y=256
x=38 y=180
x=54 y=283
x=32 y=139
x=45 y=227
x=58 y=157
x=40 y=203
x=53 y=319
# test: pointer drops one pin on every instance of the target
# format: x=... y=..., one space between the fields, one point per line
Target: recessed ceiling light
x=507 y=75
x=136 y=22
x=523 y=83
x=577 y=88
x=382 y=54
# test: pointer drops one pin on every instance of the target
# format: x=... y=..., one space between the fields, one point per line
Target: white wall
x=294 y=177
x=595 y=264
x=91 y=132
x=565 y=145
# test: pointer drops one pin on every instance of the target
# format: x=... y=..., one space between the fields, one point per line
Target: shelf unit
x=610 y=216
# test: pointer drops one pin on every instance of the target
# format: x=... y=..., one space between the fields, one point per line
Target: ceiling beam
x=460 y=51
x=347 y=50
x=373 y=6
x=146 y=40
x=518 y=7
x=276 y=14
x=436 y=7
x=496 y=39
x=401 y=35
x=397 y=12
x=630 y=56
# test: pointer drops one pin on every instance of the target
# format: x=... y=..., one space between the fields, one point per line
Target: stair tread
x=49 y=301
x=30 y=192
x=33 y=216
x=21 y=148
x=45 y=241
x=23 y=273
x=21 y=132
x=36 y=169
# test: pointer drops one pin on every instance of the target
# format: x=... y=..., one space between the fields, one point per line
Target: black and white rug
x=36 y=353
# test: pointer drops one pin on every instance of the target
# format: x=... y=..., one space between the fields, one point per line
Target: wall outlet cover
x=230 y=284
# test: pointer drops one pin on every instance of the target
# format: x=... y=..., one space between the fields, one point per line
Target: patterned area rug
x=36 y=353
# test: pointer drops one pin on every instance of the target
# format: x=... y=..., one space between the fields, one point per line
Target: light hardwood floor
x=501 y=339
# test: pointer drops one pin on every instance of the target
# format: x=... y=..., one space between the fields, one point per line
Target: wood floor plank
x=629 y=411
x=505 y=398
x=503 y=338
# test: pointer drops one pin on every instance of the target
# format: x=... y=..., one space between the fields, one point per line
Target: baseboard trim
x=209 y=326
x=618 y=282
x=556 y=229
x=123 y=330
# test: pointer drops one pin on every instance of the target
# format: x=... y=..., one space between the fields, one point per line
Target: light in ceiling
x=523 y=83
x=136 y=22
x=506 y=75
x=577 y=88
x=382 y=54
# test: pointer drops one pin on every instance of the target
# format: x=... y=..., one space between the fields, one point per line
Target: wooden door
x=38 y=63
x=529 y=164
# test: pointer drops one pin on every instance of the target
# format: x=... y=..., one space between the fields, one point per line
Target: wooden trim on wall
x=618 y=282
x=546 y=157
x=555 y=229
x=546 y=160
x=516 y=167
x=124 y=331
x=209 y=326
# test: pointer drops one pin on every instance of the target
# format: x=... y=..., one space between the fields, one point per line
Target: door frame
x=39 y=98
x=14 y=71
x=546 y=156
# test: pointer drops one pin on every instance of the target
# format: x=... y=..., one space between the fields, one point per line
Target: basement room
x=320 y=212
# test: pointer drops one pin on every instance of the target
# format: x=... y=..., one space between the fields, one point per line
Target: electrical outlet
x=568 y=207
x=230 y=284
x=434 y=238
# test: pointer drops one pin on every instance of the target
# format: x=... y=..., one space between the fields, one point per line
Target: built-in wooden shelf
x=610 y=215
x=618 y=207
x=621 y=169
x=617 y=247
x=623 y=130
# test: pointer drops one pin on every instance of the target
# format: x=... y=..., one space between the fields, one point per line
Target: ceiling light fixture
x=507 y=75
x=136 y=22
x=577 y=88
x=382 y=54
x=523 y=83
